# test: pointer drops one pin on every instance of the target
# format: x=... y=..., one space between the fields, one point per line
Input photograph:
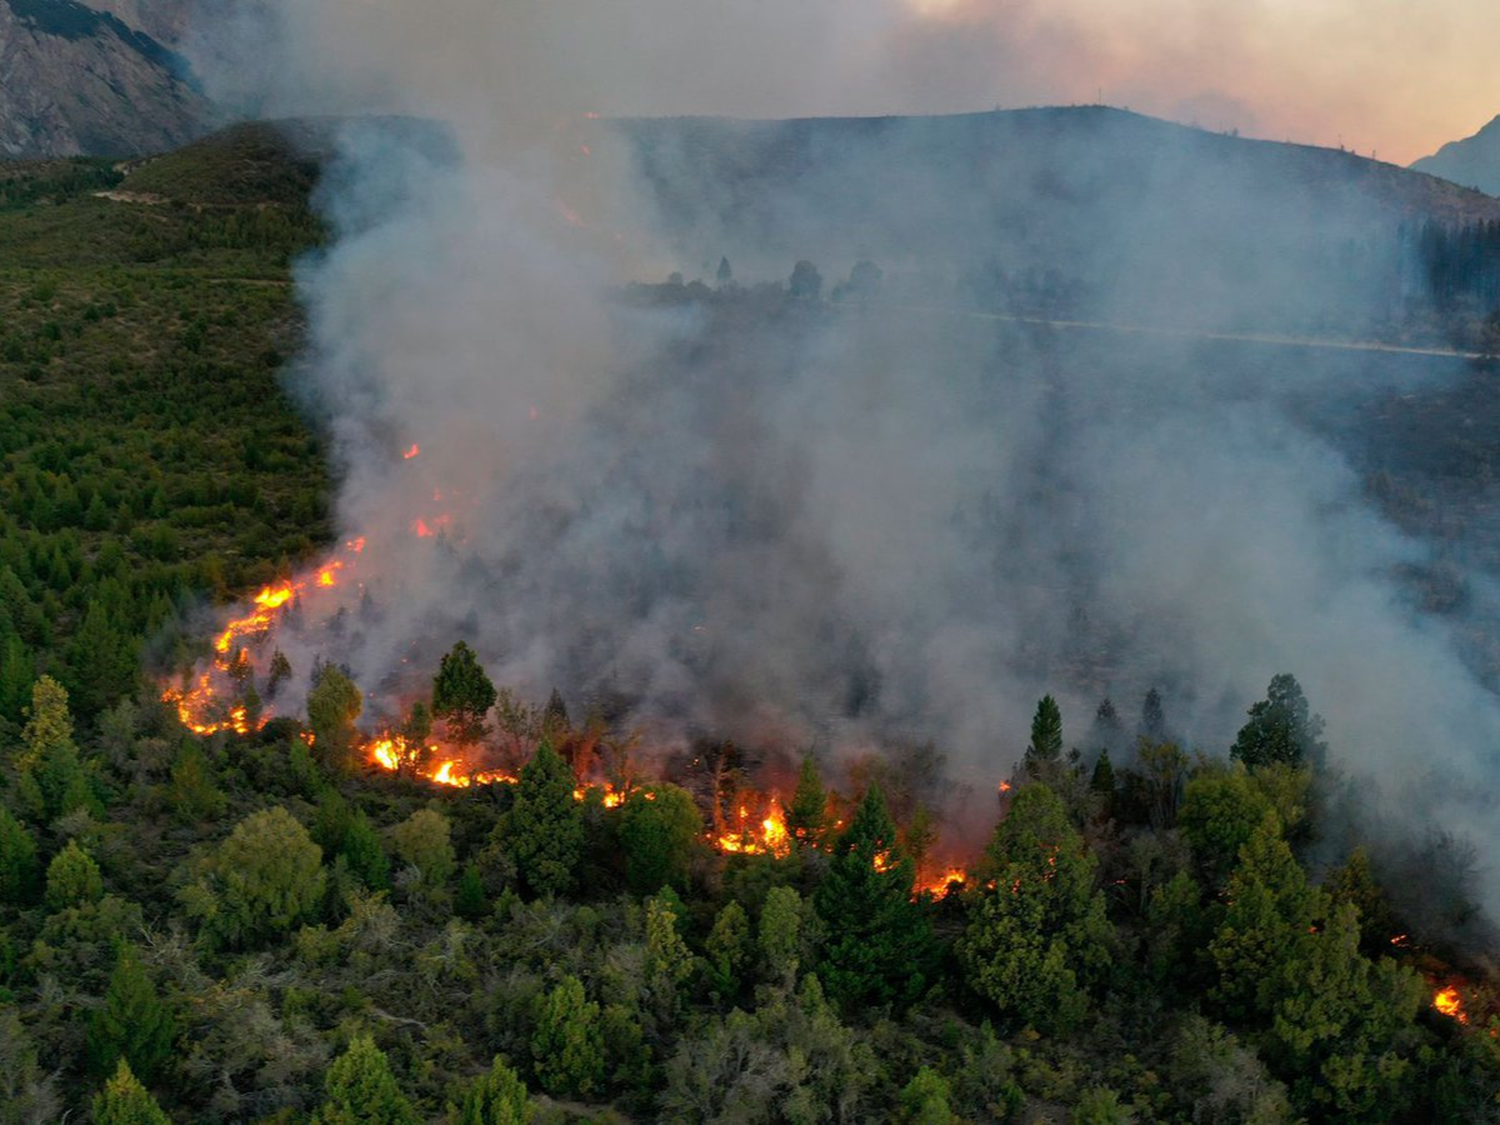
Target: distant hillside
x=79 y=81
x=1086 y=211
x=1473 y=161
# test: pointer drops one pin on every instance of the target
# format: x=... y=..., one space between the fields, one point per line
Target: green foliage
x=264 y=879
x=361 y=1090
x=133 y=1024
x=424 y=840
x=924 y=1100
x=1220 y=812
x=1281 y=728
x=728 y=949
x=1101 y=1106
x=880 y=949
x=73 y=878
x=362 y=851
x=567 y=1050
x=20 y=870
x=659 y=829
x=779 y=937
x=332 y=707
x=1038 y=938
x=543 y=832
x=124 y=1101
x=497 y=1097
x=192 y=794
x=1045 y=748
x=1271 y=907
x=462 y=696
x=469 y=898
x=806 y=814
x=53 y=781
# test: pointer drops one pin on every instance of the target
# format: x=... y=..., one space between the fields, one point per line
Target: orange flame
x=769 y=836
x=944 y=885
x=414 y=451
x=1450 y=1003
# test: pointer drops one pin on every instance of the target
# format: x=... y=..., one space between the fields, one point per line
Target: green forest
x=264 y=927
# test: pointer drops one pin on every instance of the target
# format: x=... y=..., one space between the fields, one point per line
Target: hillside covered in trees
x=275 y=925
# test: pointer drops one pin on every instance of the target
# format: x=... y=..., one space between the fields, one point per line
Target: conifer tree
x=567 y=1049
x=20 y=870
x=497 y=1097
x=1044 y=752
x=264 y=879
x=73 y=878
x=364 y=853
x=1270 y=908
x=1281 y=728
x=805 y=815
x=880 y=948
x=543 y=832
x=779 y=936
x=462 y=696
x=124 y=1101
x=728 y=948
x=132 y=1024
x=659 y=828
x=1038 y=938
x=333 y=705
x=361 y=1090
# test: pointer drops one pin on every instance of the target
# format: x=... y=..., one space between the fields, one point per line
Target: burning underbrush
x=246 y=681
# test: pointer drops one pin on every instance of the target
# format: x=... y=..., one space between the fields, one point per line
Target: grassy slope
x=145 y=440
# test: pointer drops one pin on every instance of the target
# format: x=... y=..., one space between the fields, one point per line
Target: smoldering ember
x=914 y=560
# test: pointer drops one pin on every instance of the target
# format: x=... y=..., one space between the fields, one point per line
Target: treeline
x=263 y=928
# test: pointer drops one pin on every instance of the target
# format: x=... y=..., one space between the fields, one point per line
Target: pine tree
x=20 y=870
x=1038 y=938
x=124 y=1101
x=779 y=936
x=469 y=900
x=133 y=1023
x=73 y=878
x=880 y=947
x=332 y=707
x=51 y=771
x=1270 y=908
x=363 y=852
x=266 y=878
x=659 y=828
x=1153 y=717
x=462 y=696
x=728 y=949
x=1045 y=749
x=805 y=816
x=567 y=1049
x=497 y=1097
x=361 y=1090
x=543 y=832
x=1281 y=729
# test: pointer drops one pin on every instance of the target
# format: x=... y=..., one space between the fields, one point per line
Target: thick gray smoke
x=793 y=525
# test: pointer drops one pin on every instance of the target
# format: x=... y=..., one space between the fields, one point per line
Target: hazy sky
x=1396 y=77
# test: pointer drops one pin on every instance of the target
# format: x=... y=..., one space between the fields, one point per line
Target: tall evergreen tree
x=1038 y=938
x=333 y=705
x=497 y=1097
x=132 y=1024
x=880 y=947
x=361 y=1090
x=462 y=696
x=124 y=1101
x=659 y=829
x=543 y=832
x=20 y=870
x=1281 y=728
x=805 y=815
x=1045 y=748
x=567 y=1049
x=1153 y=717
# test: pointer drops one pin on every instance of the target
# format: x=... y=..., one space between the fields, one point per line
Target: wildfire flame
x=767 y=837
x=414 y=451
x=1450 y=1003
x=945 y=884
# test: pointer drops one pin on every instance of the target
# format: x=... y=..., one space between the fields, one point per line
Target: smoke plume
x=797 y=526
